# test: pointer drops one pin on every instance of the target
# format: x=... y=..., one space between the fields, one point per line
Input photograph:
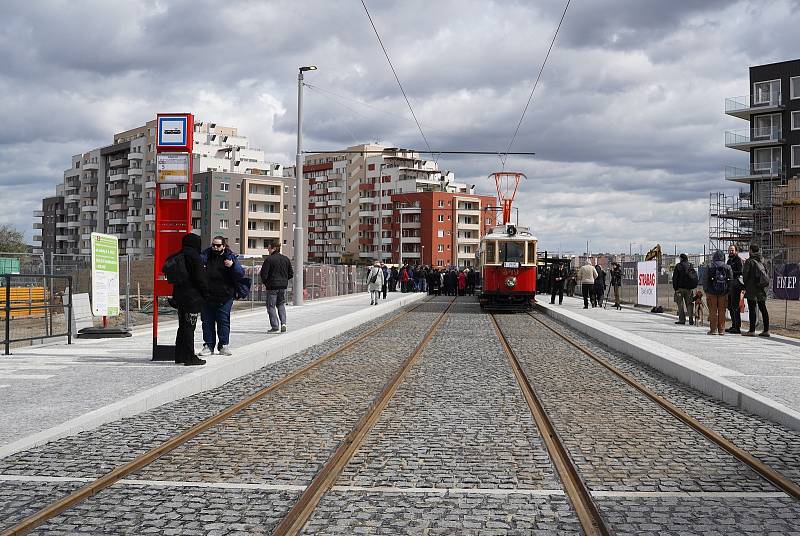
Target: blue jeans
x=276 y=308
x=216 y=321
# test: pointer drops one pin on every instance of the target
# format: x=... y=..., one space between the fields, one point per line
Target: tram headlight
x=511 y=282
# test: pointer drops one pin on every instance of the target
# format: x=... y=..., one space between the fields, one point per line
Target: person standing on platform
x=375 y=283
x=756 y=281
x=586 y=275
x=223 y=270
x=393 y=276
x=557 y=283
x=616 y=282
x=471 y=281
x=275 y=274
x=404 y=279
x=684 y=281
x=717 y=284
x=385 y=286
x=189 y=294
x=737 y=286
x=599 y=286
x=462 y=283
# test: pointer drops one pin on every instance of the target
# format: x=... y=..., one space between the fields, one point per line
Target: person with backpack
x=684 y=281
x=224 y=273
x=275 y=274
x=184 y=270
x=717 y=284
x=756 y=281
x=737 y=286
x=375 y=282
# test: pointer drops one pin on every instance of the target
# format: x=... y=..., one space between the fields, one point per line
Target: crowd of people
x=205 y=284
x=595 y=283
x=436 y=281
x=727 y=284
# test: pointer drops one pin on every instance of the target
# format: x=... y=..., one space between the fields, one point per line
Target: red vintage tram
x=508 y=256
x=508 y=269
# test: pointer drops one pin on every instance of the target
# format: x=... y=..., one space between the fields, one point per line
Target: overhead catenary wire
x=403 y=91
x=538 y=77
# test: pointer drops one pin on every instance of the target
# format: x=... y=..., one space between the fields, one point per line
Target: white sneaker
x=224 y=350
x=206 y=351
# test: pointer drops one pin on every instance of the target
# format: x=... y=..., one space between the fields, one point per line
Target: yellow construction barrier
x=33 y=299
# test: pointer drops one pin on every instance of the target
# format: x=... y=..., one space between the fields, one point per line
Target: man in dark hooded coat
x=189 y=294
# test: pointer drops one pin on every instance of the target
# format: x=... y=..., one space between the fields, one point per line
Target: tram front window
x=512 y=252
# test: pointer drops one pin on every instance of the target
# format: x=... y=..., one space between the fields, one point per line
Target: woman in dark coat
x=599 y=286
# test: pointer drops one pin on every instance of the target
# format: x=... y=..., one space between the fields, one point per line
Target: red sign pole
x=173 y=215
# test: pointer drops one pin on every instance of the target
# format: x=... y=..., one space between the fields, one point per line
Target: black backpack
x=691 y=277
x=719 y=280
x=175 y=269
x=762 y=279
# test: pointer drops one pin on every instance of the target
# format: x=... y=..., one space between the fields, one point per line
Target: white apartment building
x=112 y=189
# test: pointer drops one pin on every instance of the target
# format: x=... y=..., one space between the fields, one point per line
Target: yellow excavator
x=654 y=253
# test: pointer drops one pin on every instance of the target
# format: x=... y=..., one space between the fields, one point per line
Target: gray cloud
x=627 y=121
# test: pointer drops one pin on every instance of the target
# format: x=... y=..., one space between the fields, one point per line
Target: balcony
x=367 y=200
x=117 y=221
x=118 y=206
x=118 y=162
x=263 y=233
x=38 y=213
x=744 y=107
x=39 y=226
x=73 y=224
x=195 y=195
x=90 y=166
x=747 y=138
x=755 y=172
x=150 y=185
x=72 y=198
x=118 y=177
x=135 y=219
x=469 y=226
x=366 y=187
x=59 y=225
x=89 y=208
x=410 y=240
x=264 y=215
x=368 y=213
x=149 y=217
x=135 y=172
x=462 y=240
x=118 y=192
x=135 y=155
x=335 y=190
x=264 y=198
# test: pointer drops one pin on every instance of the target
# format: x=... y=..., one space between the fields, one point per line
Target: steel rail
x=766 y=472
x=84 y=492
x=587 y=511
x=302 y=510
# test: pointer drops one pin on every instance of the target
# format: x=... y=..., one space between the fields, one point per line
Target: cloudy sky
x=627 y=122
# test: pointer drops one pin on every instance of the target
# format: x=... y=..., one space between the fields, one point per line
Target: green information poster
x=105 y=275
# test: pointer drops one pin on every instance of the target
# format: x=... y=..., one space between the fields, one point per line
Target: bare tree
x=11 y=240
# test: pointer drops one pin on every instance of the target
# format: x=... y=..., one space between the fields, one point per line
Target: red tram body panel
x=508 y=269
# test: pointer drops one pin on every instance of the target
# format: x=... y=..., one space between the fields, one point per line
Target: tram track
x=159 y=451
x=594 y=518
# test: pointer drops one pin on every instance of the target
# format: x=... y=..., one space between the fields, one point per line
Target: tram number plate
x=510 y=265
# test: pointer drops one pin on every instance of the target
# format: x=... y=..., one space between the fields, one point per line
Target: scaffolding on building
x=730 y=220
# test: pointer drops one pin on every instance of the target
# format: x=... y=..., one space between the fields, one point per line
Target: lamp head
x=308 y=68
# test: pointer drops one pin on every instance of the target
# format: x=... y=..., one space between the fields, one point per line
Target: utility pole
x=299 y=245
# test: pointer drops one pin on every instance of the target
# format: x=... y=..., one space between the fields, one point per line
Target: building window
x=488 y=221
x=767 y=92
x=440 y=263
x=440 y=233
x=794 y=87
x=238 y=222
x=223 y=224
x=371 y=167
x=223 y=205
x=795 y=120
x=440 y=218
x=440 y=248
x=224 y=187
x=238 y=187
x=795 y=156
x=441 y=203
x=238 y=204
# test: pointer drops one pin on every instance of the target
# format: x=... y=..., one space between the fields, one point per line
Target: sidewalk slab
x=758 y=375
x=55 y=390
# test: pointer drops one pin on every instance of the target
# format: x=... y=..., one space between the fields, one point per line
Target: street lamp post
x=299 y=244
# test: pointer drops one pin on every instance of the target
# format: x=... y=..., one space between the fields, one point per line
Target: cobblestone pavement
x=396 y=513
x=458 y=421
x=709 y=516
x=620 y=440
x=772 y=443
x=93 y=453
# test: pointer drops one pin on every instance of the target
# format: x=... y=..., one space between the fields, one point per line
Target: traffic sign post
x=173 y=215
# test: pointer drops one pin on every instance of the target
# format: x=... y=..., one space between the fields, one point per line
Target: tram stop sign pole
x=173 y=214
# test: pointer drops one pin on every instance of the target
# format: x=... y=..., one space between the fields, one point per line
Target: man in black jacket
x=735 y=262
x=189 y=294
x=275 y=274
x=684 y=287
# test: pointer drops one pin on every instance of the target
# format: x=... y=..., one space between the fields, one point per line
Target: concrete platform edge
x=703 y=376
x=247 y=359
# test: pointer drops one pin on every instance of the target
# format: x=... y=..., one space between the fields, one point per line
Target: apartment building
x=252 y=211
x=765 y=212
x=438 y=228
x=112 y=189
x=350 y=207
